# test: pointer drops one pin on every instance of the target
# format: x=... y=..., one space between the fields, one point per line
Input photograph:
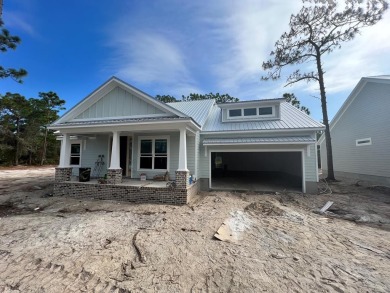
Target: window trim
x=79 y=142
x=266 y=115
x=243 y=117
x=364 y=141
x=153 y=138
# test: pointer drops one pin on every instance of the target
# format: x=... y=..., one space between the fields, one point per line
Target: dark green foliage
x=166 y=99
x=316 y=30
x=7 y=41
x=24 y=137
x=292 y=99
x=225 y=98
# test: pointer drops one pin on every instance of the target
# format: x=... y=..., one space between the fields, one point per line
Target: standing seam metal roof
x=291 y=118
x=197 y=110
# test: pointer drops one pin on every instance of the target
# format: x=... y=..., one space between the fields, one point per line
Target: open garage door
x=257 y=171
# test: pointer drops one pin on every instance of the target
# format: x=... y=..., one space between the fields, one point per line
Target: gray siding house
x=360 y=133
x=125 y=135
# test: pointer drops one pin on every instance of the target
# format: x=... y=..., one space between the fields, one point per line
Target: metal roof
x=123 y=120
x=291 y=118
x=259 y=140
x=197 y=110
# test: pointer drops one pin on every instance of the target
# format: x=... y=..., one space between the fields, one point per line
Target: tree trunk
x=17 y=143
x=328 y=141
x=44 y=148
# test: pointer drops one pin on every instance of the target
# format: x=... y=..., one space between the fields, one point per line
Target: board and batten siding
x=119 y=103
x=366 y=117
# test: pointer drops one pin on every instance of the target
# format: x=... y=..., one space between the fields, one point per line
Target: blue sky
x=173 y=47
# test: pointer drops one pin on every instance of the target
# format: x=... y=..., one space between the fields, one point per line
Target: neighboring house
x=360 y=133
x=123 y=133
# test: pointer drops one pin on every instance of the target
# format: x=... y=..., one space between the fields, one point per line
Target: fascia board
x=108 y=125
x=263 y=143
x=263 y=131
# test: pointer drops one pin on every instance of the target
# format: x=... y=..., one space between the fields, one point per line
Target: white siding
x=173 y=155
x=89 y=154
x=191 y=154
x=119 y=103
x=367 y=116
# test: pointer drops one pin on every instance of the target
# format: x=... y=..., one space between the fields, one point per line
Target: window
x=75 y=152
x=235 y=113
x=153 y=154
x=363 y=141
x=241 y=114
x=265 y=111
x=250 y=112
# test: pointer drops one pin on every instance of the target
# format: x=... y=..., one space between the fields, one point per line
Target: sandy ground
x=57 y=244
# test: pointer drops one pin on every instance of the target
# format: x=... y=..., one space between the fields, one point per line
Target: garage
x=257 y=171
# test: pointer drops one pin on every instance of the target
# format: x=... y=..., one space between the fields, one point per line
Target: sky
x=174 y=47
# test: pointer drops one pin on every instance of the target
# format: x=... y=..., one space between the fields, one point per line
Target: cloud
x=219 y=46
x=247 y=30
x=17 y=20
x=150 y=58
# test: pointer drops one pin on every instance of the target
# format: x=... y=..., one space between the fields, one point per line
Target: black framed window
x=265 y=111
x=250 y=112
x=75 y=154
x=154 y=154
x=235 y=113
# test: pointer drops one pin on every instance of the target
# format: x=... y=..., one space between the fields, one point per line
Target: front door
x=123 y=154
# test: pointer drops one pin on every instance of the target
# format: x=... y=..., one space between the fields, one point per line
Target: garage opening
x=257 y=171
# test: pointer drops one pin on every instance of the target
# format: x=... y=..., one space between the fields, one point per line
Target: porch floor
x=130 y=182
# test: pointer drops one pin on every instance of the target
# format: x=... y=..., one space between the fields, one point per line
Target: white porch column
x=115 y=164
x=65 y=151
x=183 y=150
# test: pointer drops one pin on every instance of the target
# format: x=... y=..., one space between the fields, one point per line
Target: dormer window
x=256 y=110
x=235 y=113
x=265 y=111
x=250 y=112
x=260 y=112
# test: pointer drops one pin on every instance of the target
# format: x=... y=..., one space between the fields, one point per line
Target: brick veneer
x=63 y=174
x=114 y=176
x=134 y=194
x=182 y=179
x=180 y=195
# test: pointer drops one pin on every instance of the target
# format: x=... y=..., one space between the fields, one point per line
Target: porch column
x=183 y=150
x=182 y=173
x=65 y=151
x=115 y=164
x=114 y=172
x=64 y=170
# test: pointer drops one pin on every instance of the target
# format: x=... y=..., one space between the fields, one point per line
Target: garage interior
x=256 y=171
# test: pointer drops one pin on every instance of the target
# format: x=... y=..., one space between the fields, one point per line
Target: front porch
x=130 y=190
x=143 y=154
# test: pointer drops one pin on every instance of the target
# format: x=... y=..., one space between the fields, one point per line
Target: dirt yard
x=57 y=244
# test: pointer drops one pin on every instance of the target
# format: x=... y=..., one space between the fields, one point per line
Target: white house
x=123 y=133
x=360 y=133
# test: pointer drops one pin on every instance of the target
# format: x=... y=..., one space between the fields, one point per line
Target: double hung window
x=153 y=153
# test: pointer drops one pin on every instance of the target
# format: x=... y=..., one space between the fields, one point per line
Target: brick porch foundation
x=114 y=176
x=63 y=174
x=181 y=194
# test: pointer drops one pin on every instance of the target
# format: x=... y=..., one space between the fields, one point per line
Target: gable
x=368 y=102
x=119 y=103
x=117 y=99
